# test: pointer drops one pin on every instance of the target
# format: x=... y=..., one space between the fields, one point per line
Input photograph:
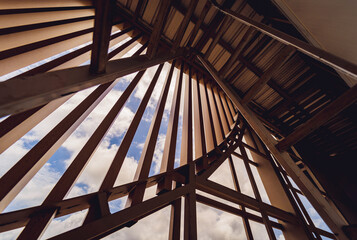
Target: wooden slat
x=39 y=222
x=206 y=120
x=186 y=142
x=342 y=102
x=215 y=22
x=21 y=173
x=9 y=30
x=144 y=165
x=168 y=157
x=223 y=115
x=123 y=149
x=232 y=59
x=190 y=212
x=200 y=142
x=16 y=126
x=218 y=128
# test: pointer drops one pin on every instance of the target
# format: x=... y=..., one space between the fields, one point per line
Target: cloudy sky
x=212 y=223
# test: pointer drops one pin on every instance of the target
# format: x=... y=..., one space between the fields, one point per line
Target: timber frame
x=251 y=92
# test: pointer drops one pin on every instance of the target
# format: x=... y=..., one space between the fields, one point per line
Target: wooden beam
x=183 y=26
x=22 y=93
x=244 y=200
x=17 y=125
x=232 y=59
x=222 y=29
x=325 y=57
x=113 y=222
x=159 y=24
x=197 y=26
x=342 y=102
x=324 y=207
x=175 y=220
x=224 y=207
x=279 y=60
x=101 y=35
x=215 y=22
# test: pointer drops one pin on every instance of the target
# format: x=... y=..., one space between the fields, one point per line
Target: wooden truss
x=217 y=128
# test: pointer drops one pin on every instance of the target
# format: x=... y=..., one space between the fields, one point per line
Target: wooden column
x=101 y=34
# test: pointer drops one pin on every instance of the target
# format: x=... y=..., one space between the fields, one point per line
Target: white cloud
x=36 y=190
x=58 y=226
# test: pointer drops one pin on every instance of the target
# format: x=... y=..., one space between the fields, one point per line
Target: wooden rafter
x=181 y=31
x=159 y=25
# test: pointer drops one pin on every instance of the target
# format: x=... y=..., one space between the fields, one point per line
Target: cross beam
x=22 y=93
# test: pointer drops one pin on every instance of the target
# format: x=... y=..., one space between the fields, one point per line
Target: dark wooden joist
x=182 y=29
x=198 y=23
x=215 y=22
x=139 y=8
x=101 y=35
x=222 y=29
x=22 y=93
x=278 y=62
x=232 y=59
x=342 y=102
x=158 y=28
